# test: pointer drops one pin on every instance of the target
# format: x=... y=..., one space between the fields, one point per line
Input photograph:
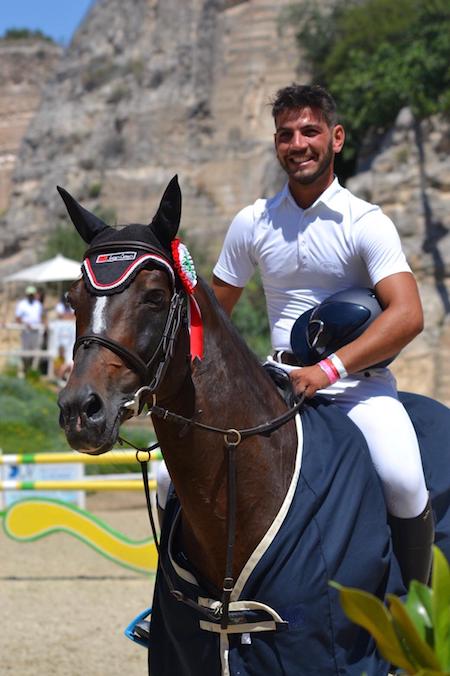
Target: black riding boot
x=412 y=541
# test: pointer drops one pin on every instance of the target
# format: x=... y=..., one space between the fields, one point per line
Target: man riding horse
x=310 y=240
x=267 y=507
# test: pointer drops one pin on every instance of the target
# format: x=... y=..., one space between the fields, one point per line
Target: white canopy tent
x=57 y=269
x=60 y=332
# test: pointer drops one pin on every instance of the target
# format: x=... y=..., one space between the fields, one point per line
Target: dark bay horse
x=309 y=506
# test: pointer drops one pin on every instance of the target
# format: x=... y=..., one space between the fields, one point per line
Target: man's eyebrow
x=308 y=125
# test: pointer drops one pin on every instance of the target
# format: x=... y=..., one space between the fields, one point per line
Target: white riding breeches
x=371 y=402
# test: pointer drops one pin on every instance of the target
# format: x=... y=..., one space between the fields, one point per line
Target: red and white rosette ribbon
x=185 y=269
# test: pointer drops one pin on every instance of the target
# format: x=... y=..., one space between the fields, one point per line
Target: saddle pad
x=331 y=526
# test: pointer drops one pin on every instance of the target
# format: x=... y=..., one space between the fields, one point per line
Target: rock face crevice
x=150 y=88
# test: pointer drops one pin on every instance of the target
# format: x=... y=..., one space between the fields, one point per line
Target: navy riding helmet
x=338 y=320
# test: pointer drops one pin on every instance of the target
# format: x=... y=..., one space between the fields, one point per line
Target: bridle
x=152 y=373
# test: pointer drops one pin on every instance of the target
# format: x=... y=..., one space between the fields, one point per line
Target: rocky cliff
x=409 y=176
x=26 y=67
x=150 y=88
x=147 y=90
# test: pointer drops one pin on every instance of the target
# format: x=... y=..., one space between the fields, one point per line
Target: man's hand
x=308 y=380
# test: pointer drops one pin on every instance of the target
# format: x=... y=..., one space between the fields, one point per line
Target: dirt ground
x=64 y=607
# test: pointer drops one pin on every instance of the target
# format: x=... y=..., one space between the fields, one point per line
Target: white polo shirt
x=305 y=255
x=29 y=313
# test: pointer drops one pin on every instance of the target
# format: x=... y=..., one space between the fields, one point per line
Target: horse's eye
x=155 y=298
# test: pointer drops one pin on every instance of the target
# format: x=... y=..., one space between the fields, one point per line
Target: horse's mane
x=252 y=367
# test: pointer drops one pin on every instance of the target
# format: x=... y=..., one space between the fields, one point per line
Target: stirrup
x=139 y=629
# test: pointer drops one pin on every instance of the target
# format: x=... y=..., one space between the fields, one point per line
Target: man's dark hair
x=305 y=96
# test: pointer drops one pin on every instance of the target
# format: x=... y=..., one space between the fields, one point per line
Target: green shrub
x=95 y=189
x=29 y=420
x=65 y=240
x=29 y=423
x=415 y=635
x=375 y=57
x=250 y=318
x=25 y=34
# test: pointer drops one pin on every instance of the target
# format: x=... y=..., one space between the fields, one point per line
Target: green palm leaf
x=441 y=607
x=369 y=612
x=413 y=645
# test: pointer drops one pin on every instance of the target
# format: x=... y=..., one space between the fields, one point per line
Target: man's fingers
x=300 y=387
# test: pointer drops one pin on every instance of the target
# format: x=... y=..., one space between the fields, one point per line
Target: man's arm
x=400 y=321
x=226 y=294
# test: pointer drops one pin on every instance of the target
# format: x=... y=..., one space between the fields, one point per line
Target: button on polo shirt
x=305 y=255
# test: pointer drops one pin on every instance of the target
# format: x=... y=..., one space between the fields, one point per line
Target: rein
x=265 y=429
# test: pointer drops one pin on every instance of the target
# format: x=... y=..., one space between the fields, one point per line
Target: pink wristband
x=338 y=365
x=329 y=370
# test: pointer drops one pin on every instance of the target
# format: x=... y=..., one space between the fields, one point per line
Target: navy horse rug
x=286 y=620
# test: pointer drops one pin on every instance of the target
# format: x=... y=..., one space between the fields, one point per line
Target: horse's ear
x=87 y=224
x=166 y=221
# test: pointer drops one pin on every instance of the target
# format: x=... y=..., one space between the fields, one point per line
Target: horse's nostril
x=93 y=405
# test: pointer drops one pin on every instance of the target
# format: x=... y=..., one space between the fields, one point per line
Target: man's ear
x=338 y=138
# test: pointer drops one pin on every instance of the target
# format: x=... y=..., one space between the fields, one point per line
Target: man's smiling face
x=306 y=145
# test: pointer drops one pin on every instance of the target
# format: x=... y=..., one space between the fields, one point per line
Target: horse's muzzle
x=83 y=417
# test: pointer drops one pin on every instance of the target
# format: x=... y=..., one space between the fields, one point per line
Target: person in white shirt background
x=311 y=240
x=30 y=312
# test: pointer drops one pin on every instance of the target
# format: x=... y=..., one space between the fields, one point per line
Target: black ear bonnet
x=110 y=266
x=115 y=256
